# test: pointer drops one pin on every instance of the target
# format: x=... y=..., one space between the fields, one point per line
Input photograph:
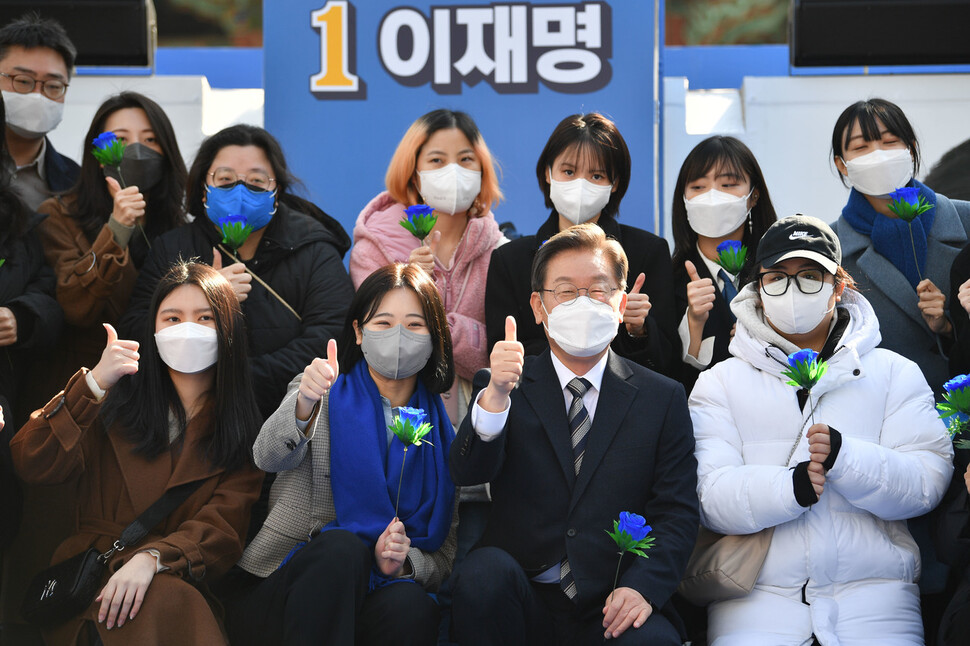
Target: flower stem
x=616 y=576
x=399 y=481
x=262 y=282
x=913 y=243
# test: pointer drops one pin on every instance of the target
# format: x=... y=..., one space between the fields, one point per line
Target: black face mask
x=140 y=166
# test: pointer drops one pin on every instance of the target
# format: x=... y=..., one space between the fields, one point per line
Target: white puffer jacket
x=895 y=461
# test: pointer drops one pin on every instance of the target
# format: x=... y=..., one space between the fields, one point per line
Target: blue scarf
x=891 y=236
x=365 y=470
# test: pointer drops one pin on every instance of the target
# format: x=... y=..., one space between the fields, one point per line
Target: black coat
x=959 y=353
x=639 y=457
x=719 y=322
x=509 y=288
x=27 y=289
x=298 y=258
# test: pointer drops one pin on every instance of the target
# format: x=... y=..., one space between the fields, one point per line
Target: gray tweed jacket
x=301 y=501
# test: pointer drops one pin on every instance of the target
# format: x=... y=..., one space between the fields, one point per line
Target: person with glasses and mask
x=287 y=274
x=569 y=439
x=835 y=471
x=36 y=61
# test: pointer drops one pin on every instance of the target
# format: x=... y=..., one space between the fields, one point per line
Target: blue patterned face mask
x=257 y=207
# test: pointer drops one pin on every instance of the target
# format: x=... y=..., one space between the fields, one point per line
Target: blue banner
x=345 y=79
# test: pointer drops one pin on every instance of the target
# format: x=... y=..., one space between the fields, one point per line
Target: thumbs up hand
x=424 y=255
x=129 y=203
x=637 y=309
x=119 y=358
x=506 y=363
x=700 y=296
x=317 y=379
x=236 y=274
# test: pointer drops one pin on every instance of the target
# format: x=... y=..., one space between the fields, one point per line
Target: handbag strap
x=161 y=508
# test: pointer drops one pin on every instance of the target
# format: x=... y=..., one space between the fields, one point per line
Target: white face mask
x=188 y=347
x=451 y=189
x=578 y=200
x=583 y=327
x=880 y=172
x=796 y=313
x=32 y=115
x=715 y=214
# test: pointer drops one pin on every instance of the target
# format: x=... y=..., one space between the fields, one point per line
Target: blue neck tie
x=579 y=424
x=729 y=291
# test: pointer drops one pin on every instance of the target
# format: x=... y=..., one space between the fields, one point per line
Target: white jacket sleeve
x=907 y=472
x=735 y=498
x=281 y=445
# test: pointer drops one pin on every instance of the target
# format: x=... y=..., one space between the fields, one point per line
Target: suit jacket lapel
x=616 y=396
x=541 y=389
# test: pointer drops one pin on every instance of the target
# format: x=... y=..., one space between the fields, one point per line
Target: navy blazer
x=639 y=457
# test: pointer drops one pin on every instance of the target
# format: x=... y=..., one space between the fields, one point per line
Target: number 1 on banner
x=334 y=76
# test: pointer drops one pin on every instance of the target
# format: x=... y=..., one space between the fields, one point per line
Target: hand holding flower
x=637 y=308
x=931 y=305
x=120 y=358
x=625 y=607
x=129 y=203
x=391 y=549
x=236 y=274
x=424 y=255
x=317 y=379
x=966 y=478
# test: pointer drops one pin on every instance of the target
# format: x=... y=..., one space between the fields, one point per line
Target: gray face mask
x=140 y=166
x=396 y=353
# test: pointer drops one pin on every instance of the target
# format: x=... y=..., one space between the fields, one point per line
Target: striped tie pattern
x=579 y=423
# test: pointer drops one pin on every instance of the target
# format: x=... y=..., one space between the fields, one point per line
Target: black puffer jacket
x=300 y=259
x=27 y=289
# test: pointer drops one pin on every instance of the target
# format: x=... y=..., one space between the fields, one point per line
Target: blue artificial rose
x=907 y=194
x=231 y=219
x=729 y=245
x=634 y=525
x=416 y=416
x=957 y=383
x=417 y=211
x=104 y=140
x=802 y=356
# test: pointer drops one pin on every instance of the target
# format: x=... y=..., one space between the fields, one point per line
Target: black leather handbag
x=64 y=590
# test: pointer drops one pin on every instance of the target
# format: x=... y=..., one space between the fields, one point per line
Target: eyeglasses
x=566 y=293
x=775 y=283
x=24 y=84
x=227 y=178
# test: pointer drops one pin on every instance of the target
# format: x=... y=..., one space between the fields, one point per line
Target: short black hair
x=30 y=31
x=866 y=113
x=595 y=135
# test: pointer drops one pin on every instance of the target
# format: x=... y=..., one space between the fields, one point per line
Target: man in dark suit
x=584 y=436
